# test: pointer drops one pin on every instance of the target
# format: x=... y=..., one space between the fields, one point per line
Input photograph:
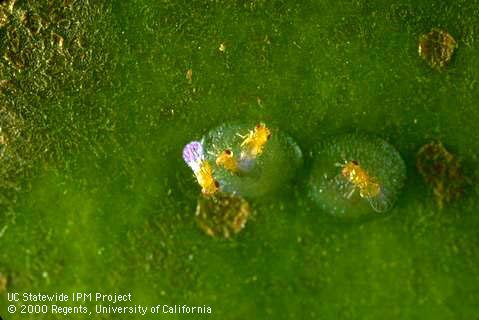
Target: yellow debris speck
x=57 y=40
x=3 y=283
x=3 y=17
x=189 y=75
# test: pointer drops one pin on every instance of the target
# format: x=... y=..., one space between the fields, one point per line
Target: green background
x=95 y=195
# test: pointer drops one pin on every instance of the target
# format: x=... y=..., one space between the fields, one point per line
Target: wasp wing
x=381 y=202
x=344 y=186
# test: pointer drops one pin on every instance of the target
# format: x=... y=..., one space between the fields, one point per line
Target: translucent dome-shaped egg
x=251 y=160
x=356 y=176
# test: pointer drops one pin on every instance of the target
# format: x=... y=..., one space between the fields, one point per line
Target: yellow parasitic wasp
x=368 y=186
x=193 y=155
x=254 y=141
x=227 y=160
x=204 y=176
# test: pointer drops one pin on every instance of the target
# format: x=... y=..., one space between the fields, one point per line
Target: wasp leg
x=349 y=194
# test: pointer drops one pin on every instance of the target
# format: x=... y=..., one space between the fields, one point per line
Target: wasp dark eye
x=217 y=184
x=228 y=152
x=355 y=162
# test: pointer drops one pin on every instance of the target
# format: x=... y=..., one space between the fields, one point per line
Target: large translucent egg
x=252 y=172
x=356 y=176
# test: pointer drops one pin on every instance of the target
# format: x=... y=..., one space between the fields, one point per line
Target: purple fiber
x=193 y=154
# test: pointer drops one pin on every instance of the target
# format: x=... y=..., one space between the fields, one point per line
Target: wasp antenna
x=241 y=136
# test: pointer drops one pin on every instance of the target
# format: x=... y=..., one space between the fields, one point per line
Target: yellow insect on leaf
x=226 y=159
x=368 y=186
x=204 y=176
x=255 y=140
